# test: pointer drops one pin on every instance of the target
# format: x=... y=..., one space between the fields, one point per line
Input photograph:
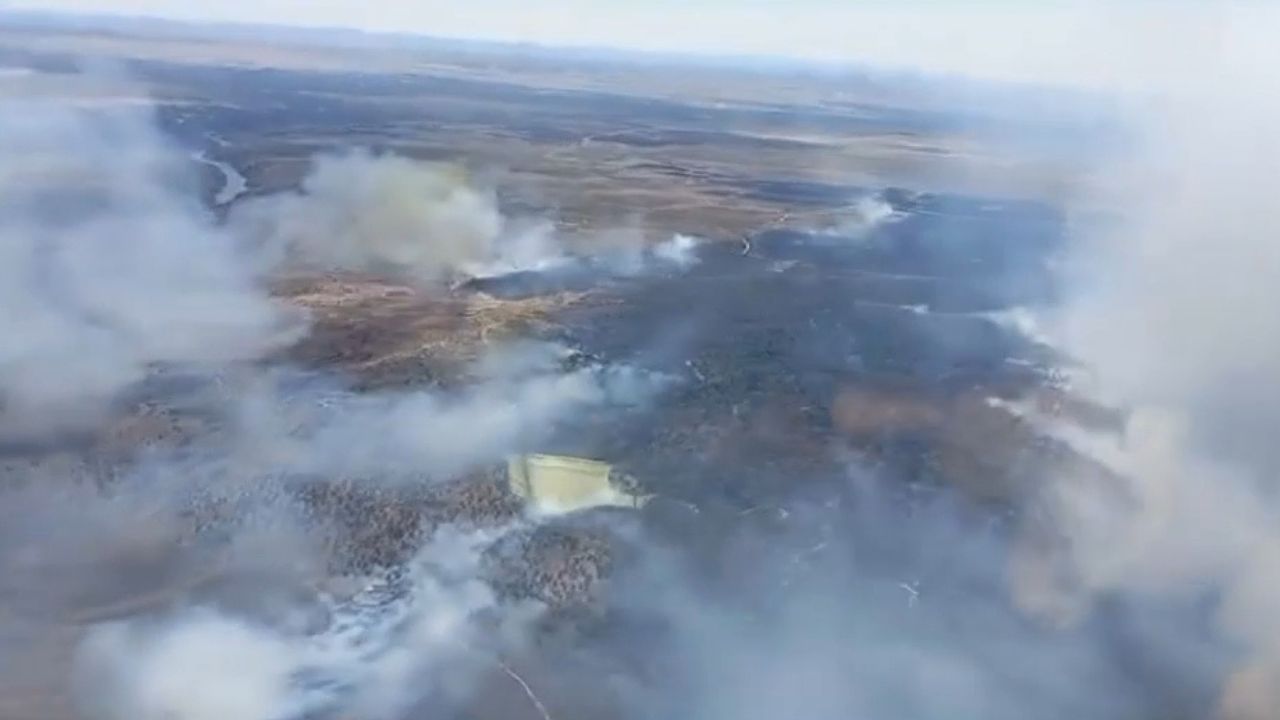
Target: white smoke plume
x=109 y=266
x=680 y=252
x=1169 y=315
x=205 y=667
x=863 y=217
x=530 y=247
x=427 y=223
x=431 y=434
x=626 y=253
x=378 y=213
x=386 y=648
x=613 y=254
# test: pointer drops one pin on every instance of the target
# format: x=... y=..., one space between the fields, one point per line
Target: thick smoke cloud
x=1168 y=316
x=426 y=641
x=109 y=266
x=427 y=223
x=378 y=213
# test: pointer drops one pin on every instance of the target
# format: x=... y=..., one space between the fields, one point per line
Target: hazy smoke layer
x=109 y=265
x=429 y=434
x=856 y=606
x=1171 y=316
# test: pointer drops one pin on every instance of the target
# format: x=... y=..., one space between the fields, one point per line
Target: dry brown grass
x=859 y=411
x=494 y=319
x=984 y=449
x=390 y=333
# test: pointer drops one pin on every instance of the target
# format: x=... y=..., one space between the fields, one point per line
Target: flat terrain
x=707 y=152
x=802 y=333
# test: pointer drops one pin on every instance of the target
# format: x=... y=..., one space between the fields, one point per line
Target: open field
x=598 y=145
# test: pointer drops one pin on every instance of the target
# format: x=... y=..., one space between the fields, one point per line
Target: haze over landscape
x=612 y=360
x=1077 y=42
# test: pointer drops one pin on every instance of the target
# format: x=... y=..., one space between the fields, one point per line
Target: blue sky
x=1076 y=41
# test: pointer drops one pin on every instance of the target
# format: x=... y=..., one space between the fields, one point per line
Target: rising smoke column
x=378 y=213
x=426 y=223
